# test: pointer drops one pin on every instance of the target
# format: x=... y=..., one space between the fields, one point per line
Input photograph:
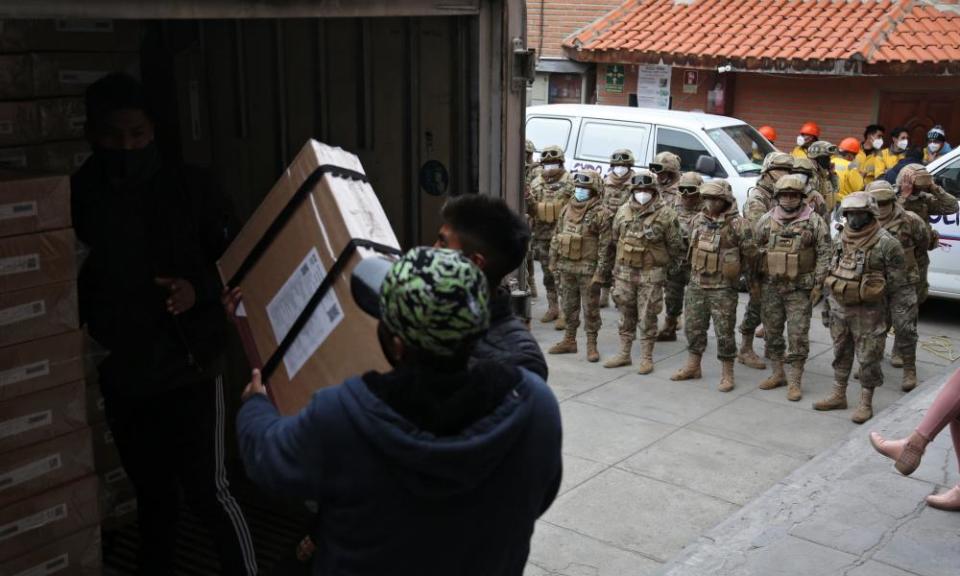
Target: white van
x=944 y=275
x=715 y=146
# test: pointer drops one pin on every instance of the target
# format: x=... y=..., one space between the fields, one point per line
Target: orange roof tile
x=878 y=31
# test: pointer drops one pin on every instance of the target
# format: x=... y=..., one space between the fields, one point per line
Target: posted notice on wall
x=653 y=86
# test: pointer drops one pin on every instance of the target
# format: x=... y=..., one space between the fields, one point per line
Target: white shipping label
x=77 y=122
x=51 y=566
x=6 y=128
x=26 y=372
x=19 y=264
x=284 y=308
x=38 y=520
x=18 y=210
x=31 y=471
x=80 y=77
x=22 y=312
x=115 y=475
x=26 y=423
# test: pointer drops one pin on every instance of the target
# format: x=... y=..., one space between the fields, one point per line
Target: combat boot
x=864 y=411
x=604 y=297
x=726 y=379
x=775 y=380
x=623 y=357
x=566 y=346
x=794 y=389
x=553 y=310
x=896 y=360
x=909 y=381
x=836 y=401
x=669 y=331
x=747 y=356
x=593 y=355
x=689 y=371
x=646 y=357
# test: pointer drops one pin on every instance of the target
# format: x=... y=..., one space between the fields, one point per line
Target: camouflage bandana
x=435 y=300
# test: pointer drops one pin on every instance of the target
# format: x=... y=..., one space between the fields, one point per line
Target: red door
x=920 y=111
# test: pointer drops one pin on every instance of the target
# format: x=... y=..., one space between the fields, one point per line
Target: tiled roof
x=760 y=33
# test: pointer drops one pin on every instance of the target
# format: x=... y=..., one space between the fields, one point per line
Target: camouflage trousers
x=751 y=316
x=902 y=311
x=702 y=304
x=677 y=281
x=859 y=331
x=638 y=302
x=923 y=287
x=541 y=253
x=790 y=308
x=576 y=291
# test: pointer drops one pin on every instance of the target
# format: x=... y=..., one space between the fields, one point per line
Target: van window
x=949 y=177
x=543 y=132
x=686 y=146
x=598 y=139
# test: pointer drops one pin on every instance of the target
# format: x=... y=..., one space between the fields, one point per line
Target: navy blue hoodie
x=395 y=499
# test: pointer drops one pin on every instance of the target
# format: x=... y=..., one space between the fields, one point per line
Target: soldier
x=912 y=232
x=647 y=235
x=760 y=200
x=583 y=230
x=866 y=274
x=548 y=194
x=532 y=169
x=721 y=245
x=678 y=276
x=794 y=251
x=616 y=191
x=922 y=196
x=666 y=166
x=807 y=170
x=821 y=153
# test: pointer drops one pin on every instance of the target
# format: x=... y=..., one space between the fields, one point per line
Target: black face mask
x=859 y=220
x=130 y=166
x=824 y=162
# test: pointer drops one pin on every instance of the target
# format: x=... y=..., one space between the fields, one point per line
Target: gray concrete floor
x=650 y=465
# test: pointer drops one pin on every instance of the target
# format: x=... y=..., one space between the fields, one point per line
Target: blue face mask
x=582 y=194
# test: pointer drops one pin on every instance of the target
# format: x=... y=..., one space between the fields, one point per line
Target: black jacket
x=172 y=225
x=508 y=340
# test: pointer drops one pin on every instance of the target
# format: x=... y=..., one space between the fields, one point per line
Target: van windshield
x=743 y=146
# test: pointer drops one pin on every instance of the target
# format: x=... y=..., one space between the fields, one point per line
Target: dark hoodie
x=396 y=499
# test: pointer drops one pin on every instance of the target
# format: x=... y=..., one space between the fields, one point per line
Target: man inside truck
x=149 y=293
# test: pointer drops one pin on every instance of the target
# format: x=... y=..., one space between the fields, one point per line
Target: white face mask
x=903 y=144
x=535 y=158
x=620 y=171
x=642 y=197
x=934 y=147
x=801 y=140
x=582 y=194
x=877 y=143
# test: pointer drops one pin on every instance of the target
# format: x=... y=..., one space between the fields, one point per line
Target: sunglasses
x=689 y=189
x=620 y=158
x=582 y=179
x=642 y=180
x=656 y=168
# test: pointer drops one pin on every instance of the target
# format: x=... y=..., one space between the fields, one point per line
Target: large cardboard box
x=118 y=500
x=36 y=259
x=23 y=35
x=34 y=121
x=29 y=524
x=51 y=74
x=19 y=123
x=105 y=454
x=340 y=340
x=41 y=416
x=75 y=555
x=38 y=312
x=32 y=469
x=41 y=364
x=56 y=157
x=31 y=202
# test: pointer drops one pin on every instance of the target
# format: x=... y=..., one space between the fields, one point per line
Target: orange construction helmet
x=768 y=132
x=810 y=129
x=851 y=145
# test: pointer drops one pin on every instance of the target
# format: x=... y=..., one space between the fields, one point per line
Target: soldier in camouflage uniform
x=549 y=192
x=647 y=235
x=688 y=207
x=759 y=201
x=912 y=232
x=531 y=171
x=583 y=230
x=616 y=191
x=866 y=273
x=666 y=167
x=721 y=246
x=821 y=153
x=922 y=196
x=794 y=249
x=807 y=170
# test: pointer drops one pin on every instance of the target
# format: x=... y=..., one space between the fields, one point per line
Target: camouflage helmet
x=882 y=191
x=859 y=202
x=589 y=179
x=666 y=162
x=690 y=183
x=644 y=179
x=551 y=154
x=622 y=157
x=790 y=183
x=530 y=147
x=804 y=166
x=917 y=173
x=820 y=149
x=717 y=188
x=777 y=161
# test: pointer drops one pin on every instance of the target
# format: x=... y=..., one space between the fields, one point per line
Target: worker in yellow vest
x=849 y=179
x=809 y=133
x=869 y=159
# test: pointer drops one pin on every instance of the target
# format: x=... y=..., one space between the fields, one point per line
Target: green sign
x=615 y=78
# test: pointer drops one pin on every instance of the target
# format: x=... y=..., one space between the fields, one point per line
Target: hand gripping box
x=321 y=215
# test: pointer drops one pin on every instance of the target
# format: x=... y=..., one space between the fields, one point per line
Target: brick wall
x=561 y=19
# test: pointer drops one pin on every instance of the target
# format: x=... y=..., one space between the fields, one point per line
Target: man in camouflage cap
x=531 y=170
x=760 y=200
x=866 y=272
x=688 y=207
x=647 y=235
x=821 y=153
x=721 y=246
x=807 y=170
x=794 y=251
x=616 y=191
x=583 y=230
x=549 y=193
x=666 y=167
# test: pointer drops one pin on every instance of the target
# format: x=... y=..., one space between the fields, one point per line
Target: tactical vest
x=574 y=240
x=549 y=205
x=714 y=255
x=898 y=229
x=851 y=279
x=642 y=243
x=790 y=254
x=759 y=194
x=615 y=195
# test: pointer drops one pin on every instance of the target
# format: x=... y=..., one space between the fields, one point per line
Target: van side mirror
x=706 y=165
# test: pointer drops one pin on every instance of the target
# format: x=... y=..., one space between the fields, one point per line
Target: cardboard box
x=41 y=364
x=30 y=470
x=61 y=119
x=36 y=259
x=87 y=35
x=96 y=411
x=118 y=500
x=56 y=157
x=33 y=202
x=29 y=524
x=340 y=340
x=50 y=74
x=41 y=416
x=19 y=123
x=38 y=312
x=75 y=555
x=105 y=454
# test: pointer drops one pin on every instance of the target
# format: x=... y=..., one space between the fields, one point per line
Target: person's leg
x=695 y=324
x=649 y=303
x=625 y=296
x=570 y=299
x=903 y=312
x=799 y=310
x=774 y=316
x=870 y=336
x=591 y=314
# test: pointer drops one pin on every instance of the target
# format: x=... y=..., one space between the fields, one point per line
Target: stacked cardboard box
x=49 y=497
